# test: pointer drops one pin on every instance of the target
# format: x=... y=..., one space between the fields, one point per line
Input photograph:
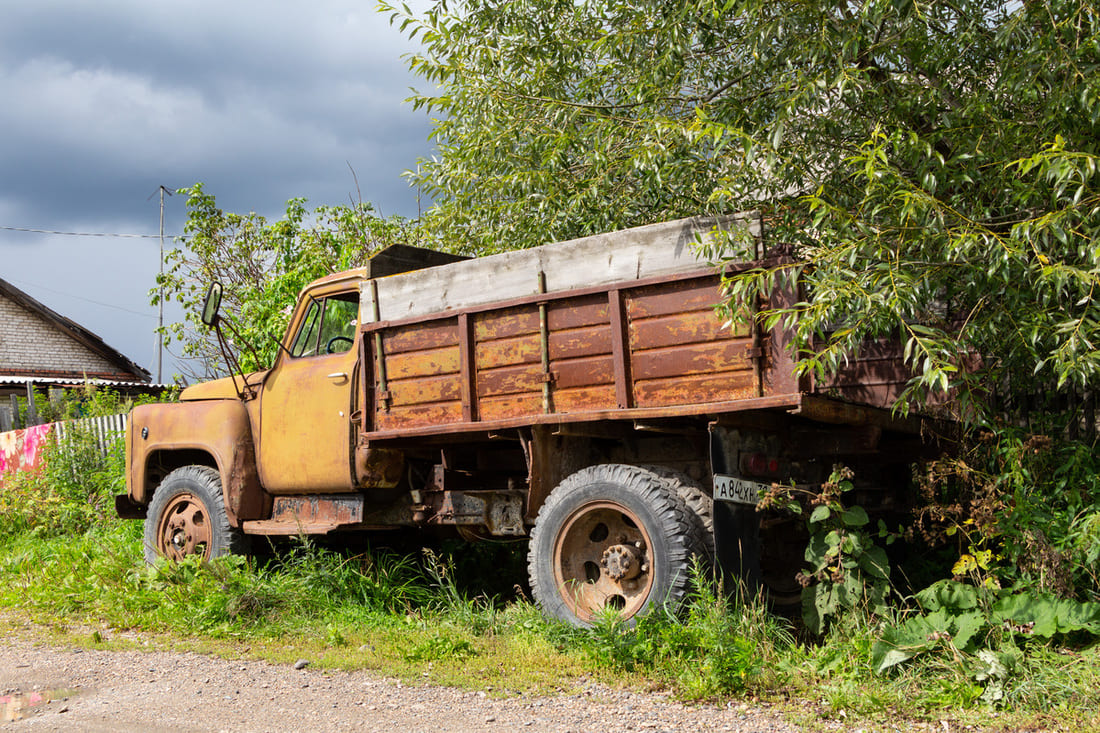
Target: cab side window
x=305 y=343
x=329 y=326
x=338 y=325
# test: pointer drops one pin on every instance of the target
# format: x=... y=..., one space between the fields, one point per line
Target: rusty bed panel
x=656 y=345
x=652 y=345
x=876 y=377
x=680 y=351
x=423 y=370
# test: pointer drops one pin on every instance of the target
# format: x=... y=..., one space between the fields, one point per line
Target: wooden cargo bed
x=619 y=326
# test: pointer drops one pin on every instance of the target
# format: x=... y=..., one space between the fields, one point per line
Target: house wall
x=28 y=342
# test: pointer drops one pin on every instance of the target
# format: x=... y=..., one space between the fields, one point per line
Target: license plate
x=737 y=490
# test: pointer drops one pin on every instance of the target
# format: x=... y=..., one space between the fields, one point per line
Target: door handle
x=338 y=375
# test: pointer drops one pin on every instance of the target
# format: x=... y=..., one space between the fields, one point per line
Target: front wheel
x=187 y=517
x=612 y=536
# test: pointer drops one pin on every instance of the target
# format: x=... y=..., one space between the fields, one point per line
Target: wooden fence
x=22 y=449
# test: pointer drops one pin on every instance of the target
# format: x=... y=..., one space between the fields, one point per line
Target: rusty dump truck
x=583 y=396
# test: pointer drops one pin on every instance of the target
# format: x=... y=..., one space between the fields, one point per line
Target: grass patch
x=70 y=570
x=406 y=618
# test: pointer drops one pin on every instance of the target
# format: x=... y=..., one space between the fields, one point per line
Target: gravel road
x=56 y=688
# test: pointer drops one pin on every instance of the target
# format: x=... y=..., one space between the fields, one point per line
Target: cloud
x=106 y=101
x=241 y=93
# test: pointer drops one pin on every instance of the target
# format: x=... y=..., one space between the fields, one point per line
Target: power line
x=25 y=284
x=88 y=234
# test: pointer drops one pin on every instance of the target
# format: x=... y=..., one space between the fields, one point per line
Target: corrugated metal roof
x=4 y=379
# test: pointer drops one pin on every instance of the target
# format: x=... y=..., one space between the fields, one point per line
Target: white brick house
x=40 y=348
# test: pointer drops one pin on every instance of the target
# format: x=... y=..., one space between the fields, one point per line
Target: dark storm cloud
x=103 y=102
x=255 y=99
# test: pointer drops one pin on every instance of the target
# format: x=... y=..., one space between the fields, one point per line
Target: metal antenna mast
x=160 y=292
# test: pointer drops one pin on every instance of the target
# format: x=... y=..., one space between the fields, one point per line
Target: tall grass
x=66 y=559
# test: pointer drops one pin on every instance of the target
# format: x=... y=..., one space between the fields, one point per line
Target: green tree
x=929 y=168
x=262 y=266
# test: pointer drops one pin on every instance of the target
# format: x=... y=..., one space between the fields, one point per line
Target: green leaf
x=855 y=517
x=948 y=594
x=820 y=514
x=873 y=561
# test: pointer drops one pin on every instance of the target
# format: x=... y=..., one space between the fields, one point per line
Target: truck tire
x=187 y=517
x=612 y=535
x=698 y=500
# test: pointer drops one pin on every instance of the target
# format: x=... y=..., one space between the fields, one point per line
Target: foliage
x=929 y=169
x=986 y=623
x=262 y=266
x=78 y=475
x=555 y=120
x=1016 y=509
x=847 y=571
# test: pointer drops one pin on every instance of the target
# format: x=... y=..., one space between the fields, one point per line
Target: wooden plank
x=584 y=372
x=692 y=390
x=509 y=380
x=423 y=363
x=589 y=310
x=507 y=352
x=506 y=323
x=585 y=399
x=425 y=390
x=420 y=416
x=420 y=336
x=615 y=257
x=676 y=297
x=709 y=358
x=580 y=342
x=680 y=329
x=509 y=406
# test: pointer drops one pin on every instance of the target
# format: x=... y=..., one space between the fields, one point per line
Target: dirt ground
x=56 y=688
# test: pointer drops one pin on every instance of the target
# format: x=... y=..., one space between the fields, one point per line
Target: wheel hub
x=622 y=562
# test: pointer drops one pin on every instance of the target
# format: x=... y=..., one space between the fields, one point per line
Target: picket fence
x=22 y=449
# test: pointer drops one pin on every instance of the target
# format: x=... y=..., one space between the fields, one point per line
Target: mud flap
x=736 y=525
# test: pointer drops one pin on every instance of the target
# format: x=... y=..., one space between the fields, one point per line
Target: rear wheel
x=697 y=499
x=187 y=517
x=612 y=536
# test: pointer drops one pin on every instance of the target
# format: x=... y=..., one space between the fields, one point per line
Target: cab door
x=306 y=432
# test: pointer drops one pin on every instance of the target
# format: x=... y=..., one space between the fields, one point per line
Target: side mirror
x=212 y=303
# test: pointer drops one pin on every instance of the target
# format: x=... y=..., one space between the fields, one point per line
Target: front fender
x=162 y=437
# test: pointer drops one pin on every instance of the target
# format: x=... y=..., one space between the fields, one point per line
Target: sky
x=102 y=103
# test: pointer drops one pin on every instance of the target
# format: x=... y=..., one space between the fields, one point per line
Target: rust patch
x=662 y=299
x=580 y=342
x=318 y=509
x=588 y=372
x=706 y=358
x=378 y=467
x=583 y=399
x=578 y=312
x=427 y=363
x=523 y=349
x=681 y=328
x=694 y=390
x=425 y=390
x=436 y=413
